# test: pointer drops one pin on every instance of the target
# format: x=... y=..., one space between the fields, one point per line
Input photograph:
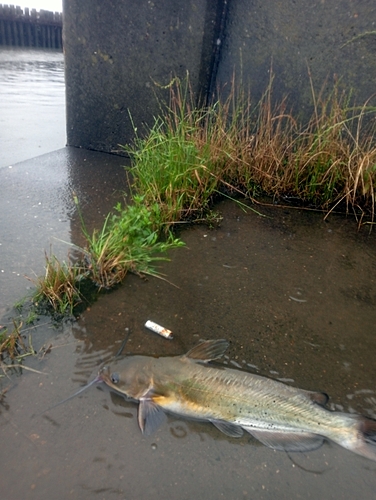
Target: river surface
x=32 y=103
x=295 y=295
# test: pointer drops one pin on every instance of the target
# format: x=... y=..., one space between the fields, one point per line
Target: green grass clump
x=172 y=173
x=128 y=241
x=59 y=289
x=186 y=156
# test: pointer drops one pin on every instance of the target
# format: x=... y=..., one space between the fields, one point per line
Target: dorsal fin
x=208 y=350
x=321 y=398
x=317 y=397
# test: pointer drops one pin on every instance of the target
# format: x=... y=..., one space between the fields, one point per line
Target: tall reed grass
x=190 y=154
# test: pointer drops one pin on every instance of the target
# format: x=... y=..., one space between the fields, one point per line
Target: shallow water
x=32 y=103
x=296 y=298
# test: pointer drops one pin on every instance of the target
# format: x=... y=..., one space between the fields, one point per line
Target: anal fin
x=286 y=441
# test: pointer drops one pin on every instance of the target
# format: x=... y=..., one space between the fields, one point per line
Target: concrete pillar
x=334 y=40
x=115 y=51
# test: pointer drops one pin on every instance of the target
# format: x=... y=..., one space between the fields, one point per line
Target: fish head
x=129 y=376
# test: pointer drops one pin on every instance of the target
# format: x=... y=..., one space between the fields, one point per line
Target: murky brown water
x=296 y=298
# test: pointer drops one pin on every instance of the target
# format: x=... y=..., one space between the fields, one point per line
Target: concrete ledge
x=38 y=211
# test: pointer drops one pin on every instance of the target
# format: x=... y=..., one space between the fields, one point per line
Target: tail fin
x=368 y=429
x=366 y=444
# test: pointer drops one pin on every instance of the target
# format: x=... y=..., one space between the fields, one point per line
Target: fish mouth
x=112 y=379
x=103 y=375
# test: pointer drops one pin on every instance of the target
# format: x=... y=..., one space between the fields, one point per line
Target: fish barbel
x=280 y=416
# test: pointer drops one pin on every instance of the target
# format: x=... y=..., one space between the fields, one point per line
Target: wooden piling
x=27 y=28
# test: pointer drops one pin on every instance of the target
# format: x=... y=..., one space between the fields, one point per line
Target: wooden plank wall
x=30 y=28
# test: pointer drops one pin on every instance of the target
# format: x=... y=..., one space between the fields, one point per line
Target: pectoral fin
x=287 y=441
x=228 y=428
x=150 y=416
x=208 y=350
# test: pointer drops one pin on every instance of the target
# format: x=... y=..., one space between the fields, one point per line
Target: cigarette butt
x=154 y=327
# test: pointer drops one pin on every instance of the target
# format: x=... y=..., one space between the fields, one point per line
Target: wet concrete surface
x=293 y=294
x=38 y=212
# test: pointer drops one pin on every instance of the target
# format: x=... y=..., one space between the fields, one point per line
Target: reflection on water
x=32 y=103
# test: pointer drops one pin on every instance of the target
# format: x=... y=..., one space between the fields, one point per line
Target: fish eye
x=115 y=378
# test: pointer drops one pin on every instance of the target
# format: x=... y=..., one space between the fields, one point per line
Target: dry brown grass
x=191 y=153
x=12 y=345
